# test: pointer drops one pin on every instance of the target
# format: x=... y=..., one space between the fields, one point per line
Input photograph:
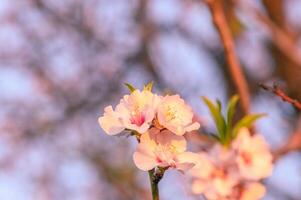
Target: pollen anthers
x=175 y=115
x=172 y=113
x=163 y=148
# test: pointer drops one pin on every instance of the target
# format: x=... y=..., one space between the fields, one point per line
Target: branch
x=294 y=141
x=277 y=91
x=282 y=40
x=219 y=20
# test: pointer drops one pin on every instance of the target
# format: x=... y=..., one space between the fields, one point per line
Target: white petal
x=253 y=191
x=167 y=138
x=203 y=168
x=144 y=158
x=224 y=186
x=198 y=186
x=192 y=127
x=186 y=161
x=110 y=122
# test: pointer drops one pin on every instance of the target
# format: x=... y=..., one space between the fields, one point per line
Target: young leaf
x=231 y=110
x=246 y=121
x=149 y=86
x=130 y=87
x=217 y=116
x=230 y=114
x=219 y=105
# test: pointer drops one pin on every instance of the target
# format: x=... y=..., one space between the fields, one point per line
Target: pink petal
x=167 y=138
x=198 y=186
x=144 y=158
x=253 y=191
x=186 y=161
x=192 y=127
x=110 y=122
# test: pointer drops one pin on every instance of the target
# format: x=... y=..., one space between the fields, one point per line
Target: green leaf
x=231 y=110
x=130 y=87
x=149 y=86
x=246 y=121
x=219 y=105
x=217 y=117
x=230 y=114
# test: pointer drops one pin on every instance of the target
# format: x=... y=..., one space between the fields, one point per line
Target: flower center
x=219 y=173
x=137 y=119
x=171 y=113
x=157 y=124
x=247 y=158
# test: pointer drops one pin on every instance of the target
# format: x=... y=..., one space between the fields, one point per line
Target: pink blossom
x=253 y=191
x=254 y=159
x=175 y=115
x=222 y=171
x=163 y=149
x=212 y=177
x=135 y=112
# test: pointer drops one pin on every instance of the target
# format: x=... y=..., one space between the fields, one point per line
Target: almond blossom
x=175 y=115
x=214 y=177
x=253 y=191
x=254 y=159
x=163 y=149
x=231 y=172
x=135 y=112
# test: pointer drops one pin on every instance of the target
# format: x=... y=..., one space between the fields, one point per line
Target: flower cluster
x=159 y=122
x=231 y=173
x=228 y=170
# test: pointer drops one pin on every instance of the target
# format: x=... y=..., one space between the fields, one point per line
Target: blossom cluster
x=159 y=122
x=230 y=169
x=234 y=172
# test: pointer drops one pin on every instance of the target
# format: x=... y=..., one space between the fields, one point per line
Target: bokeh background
x=62 y=62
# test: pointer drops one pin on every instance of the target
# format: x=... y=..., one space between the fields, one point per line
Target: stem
x=154 y=185
x=155 y=175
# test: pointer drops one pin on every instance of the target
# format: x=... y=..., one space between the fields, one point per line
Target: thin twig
x=219 y=19
x=277 y=91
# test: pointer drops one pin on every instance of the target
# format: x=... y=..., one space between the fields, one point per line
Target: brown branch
x=277 y=91
x=282 y=40
x=219 y=20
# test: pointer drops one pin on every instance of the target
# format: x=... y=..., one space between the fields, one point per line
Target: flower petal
x=192 y=127
x=176 y=142
x=144 y=158
x=186 y=161
x=198 y=186
x=110 y=122
x=253 y=191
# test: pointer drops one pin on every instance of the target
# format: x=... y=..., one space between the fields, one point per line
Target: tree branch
x=279 y=36
x=277 y=91
x=219 y=20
